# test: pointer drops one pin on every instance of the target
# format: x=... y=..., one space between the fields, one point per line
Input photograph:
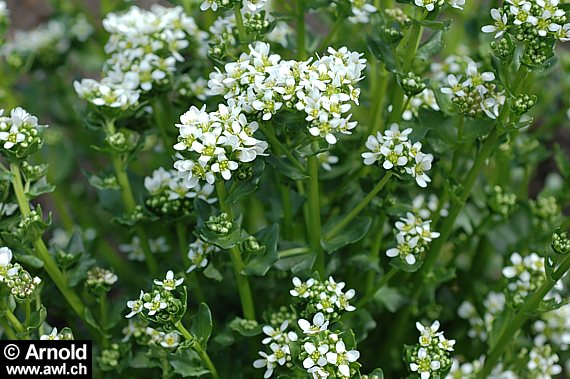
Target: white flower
x=454 y=89
x=316 y=355
x=522 y=14
x=136 y=306
x=425 y=365
x=404 y=249
x=5 y=256
x=342 y=358
x=427 y=333
x=274 y=334
x=53 y=336
x=267 y=361
x=155 y=305
x=169 y=284
x=319 y=324
x=301 y=288
x=170 y=340
x=422 y=164
x=500 y=24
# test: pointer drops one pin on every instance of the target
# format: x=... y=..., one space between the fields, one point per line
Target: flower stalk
x=199 y=349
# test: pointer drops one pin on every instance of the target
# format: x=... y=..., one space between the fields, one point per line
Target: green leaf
x=433 y=46
x=435 y=25
x=391 y=298
x=401 y=264
x=37 y=318
x=354 y=232
x=283 y=166
x=40 y=187
x=202 y=324
x=241 y=188
x=313 y=147
x=237 y=324
x=187 y=364
x=30 y=261
x=211 y=272
x=384 y=52
x=562 y=161
x=260 y=263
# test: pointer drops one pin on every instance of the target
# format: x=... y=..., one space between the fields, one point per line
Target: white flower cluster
x=262 y=83
x=169 y=194
x=530 y=18
x=156 y=302
x=198 y=254
x=19 y=131
x=167 y=340
x=46 y=43
x=135 y=251
x=526 y=275
x=474 y=93
x=18 y=281
x=425 y=99
x=543 y=362
x=412 y=238
x=54 y=335
x=323 y=353
x=216 y=143
x=430 y=357
x=278 y=340
x=145 y=45
x=106 y=93
x=480 y=327
x=327 y=297
x=431 y=5
x=394 y=151
x=469 y=370
x=247 y=5
x=361 y=11
x=426 y=207
x=554 y=327
x=224 y=31
x=144 y=48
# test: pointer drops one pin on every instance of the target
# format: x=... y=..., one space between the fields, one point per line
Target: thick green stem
x=356 y=210
x=314 y=209
x=242 y=33
x=280 y=148
x=8 y=330
x=129 y=200
x=520 y=318
x=199 y=349
x=237 y=262
x=13 y=320
x=41 y=250
x=160 y=108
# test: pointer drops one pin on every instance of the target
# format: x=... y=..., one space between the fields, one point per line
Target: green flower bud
x=560 y=242
x=523 y=103
x=411 y=84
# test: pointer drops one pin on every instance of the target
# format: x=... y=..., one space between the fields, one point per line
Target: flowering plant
x=300 y=187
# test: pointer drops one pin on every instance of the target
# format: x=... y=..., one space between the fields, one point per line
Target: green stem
x=414 y=39
x=103 y=310
x=160 y=106
x=520 y=318
x=199 y=349
x=242 y=33
x=300 y=24
x=13 y=320
x=129 y=200
x=237 y=262
x=281 y=149
x=293 y=252
x=287 y=211
x=356 y=210
x=314 y=210
x=332 y=33
x=62 y=211
x=28 y=310
x=380 y=96
x=383 y=281
x=41 y=250
x=375 y=251
x=8 y=330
